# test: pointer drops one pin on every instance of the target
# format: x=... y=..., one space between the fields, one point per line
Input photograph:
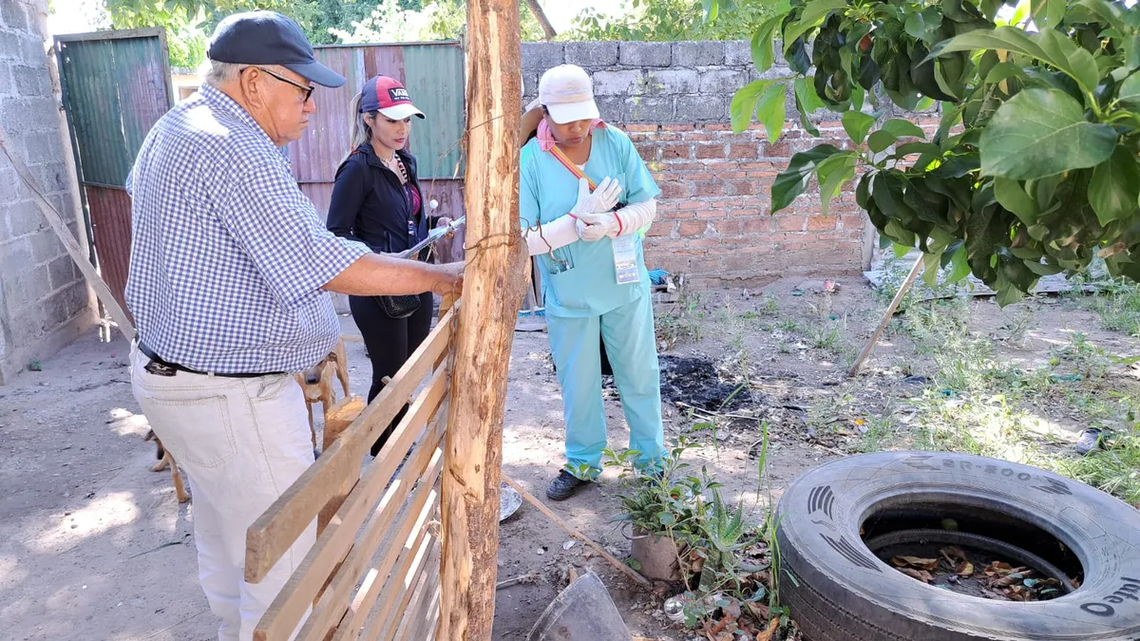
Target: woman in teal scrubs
x=594 y=283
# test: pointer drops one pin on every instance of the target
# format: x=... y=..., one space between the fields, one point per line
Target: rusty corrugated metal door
x=116 y=85
x=434 y=76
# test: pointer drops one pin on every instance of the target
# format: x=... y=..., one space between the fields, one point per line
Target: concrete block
x=737 y=53
x=654 y=110
x=646 y=54
x=61 y=273
x=26 y=116
x=697 y=54
x=33 y=50
x=619 y=83
x=722 y=81
x=76 y=298
x=542 y=55
x=52 y=177
x=45 y=247
x=698 y=109
x=613 y=108
x=31 y=82
x=10 y=45
x=592 y=54
x=42 y=148
x=23 y=218
x=673 y=81
x=12 y=15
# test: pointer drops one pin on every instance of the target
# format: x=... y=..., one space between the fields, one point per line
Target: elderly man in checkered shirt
x=229 y=279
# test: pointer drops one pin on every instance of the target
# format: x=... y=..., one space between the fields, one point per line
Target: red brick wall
x=714 y=223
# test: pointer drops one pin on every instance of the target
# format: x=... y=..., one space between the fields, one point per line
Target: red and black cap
x=389 y=97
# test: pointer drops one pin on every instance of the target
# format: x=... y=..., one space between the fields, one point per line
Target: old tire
x=838 y=590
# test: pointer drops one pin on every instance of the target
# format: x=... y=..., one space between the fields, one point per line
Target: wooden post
x=903 y=289
x=492 y=293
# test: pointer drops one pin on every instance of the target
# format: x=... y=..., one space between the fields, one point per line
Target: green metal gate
x=116 y=85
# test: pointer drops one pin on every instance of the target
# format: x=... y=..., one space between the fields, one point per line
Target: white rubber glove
x=586 y=231
x=551 y=236
x=604 y=198
x=606 y=221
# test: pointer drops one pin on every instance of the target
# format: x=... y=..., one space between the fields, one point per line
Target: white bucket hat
x=568 y=94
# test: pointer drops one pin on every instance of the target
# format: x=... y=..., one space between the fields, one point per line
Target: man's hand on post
x=450 y=279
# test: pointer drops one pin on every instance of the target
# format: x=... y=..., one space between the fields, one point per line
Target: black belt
x=158 y=364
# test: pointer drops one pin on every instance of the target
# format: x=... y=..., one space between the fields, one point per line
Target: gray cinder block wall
x=44 y=301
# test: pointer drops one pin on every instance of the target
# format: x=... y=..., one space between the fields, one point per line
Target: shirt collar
x=217 y=98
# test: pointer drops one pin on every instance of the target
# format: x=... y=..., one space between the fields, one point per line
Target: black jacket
x=368 y=203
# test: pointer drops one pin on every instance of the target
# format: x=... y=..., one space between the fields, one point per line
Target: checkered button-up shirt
x=228 y=257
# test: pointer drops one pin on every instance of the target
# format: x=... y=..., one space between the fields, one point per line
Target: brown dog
x=164 y=459
x=317 y=383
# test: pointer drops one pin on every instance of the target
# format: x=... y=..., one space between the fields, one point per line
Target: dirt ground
x=94 y=545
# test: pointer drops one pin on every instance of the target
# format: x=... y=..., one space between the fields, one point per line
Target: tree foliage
x=669 y=20
x=1034 y=169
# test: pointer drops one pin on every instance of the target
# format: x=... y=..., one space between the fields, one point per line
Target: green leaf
x=763 y=53
x=1115 y=187
x=857 y=124
x=880 y=140
x=961 y=268
x=1047 y=14
x=813 y=15
x=903 y=128
x=1049 y=46
x=833 y=173
x=901 y=250
x=924 y=25
x=1130 y=91
x=1011 y=196
x=794 y=180
x=667 y=519
x=807 y=101
x=770 y=111
x=1042 y=132
x=744 y=103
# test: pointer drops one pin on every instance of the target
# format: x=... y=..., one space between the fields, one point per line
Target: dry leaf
x=921 y=575
x=953 y=556
x=758 y=610
x=965 y=569
x=915 y=562
x=766 y=635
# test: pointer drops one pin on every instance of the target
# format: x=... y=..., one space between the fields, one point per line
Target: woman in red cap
x=376 y=200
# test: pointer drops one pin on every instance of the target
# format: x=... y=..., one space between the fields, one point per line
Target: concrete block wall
x=44 y=301
x=713 y=222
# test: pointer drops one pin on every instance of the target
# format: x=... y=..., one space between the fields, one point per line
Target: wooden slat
x=335 y=542
x=376 y=584
x=339 y=417
x=275 y=531
x=417 y=621
x=333 y=604
x=394 y=607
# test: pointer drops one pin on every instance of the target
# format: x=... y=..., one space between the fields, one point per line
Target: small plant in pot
x=665 y=508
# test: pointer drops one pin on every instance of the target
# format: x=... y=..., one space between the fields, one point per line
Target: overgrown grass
x=681 y=323
x=980 y=403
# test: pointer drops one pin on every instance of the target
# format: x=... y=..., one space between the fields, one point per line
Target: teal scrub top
x=580 y=280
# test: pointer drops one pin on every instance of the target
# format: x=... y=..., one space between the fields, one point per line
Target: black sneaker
x=564 y=486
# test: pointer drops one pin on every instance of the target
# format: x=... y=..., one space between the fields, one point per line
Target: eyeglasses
x=308 y=90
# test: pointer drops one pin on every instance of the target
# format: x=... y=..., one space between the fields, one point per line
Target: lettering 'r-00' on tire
x=838 y=590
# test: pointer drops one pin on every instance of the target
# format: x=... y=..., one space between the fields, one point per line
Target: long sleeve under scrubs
x=583 y=300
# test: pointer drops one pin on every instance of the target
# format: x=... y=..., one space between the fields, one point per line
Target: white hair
x=215 y=73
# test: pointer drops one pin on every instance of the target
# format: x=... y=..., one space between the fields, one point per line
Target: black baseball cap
x=269 y=38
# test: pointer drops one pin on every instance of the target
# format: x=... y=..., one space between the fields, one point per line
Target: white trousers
x=242 y=442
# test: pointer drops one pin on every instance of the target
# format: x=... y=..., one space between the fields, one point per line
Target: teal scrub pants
x=631 y=347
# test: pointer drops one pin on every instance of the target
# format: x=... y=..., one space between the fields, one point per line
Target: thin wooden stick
x=630 y=572
x=903 y=289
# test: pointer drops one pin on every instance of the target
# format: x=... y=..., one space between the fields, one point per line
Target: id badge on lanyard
x=625 y=259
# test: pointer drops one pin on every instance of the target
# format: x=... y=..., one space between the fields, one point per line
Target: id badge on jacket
x=625 y=259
